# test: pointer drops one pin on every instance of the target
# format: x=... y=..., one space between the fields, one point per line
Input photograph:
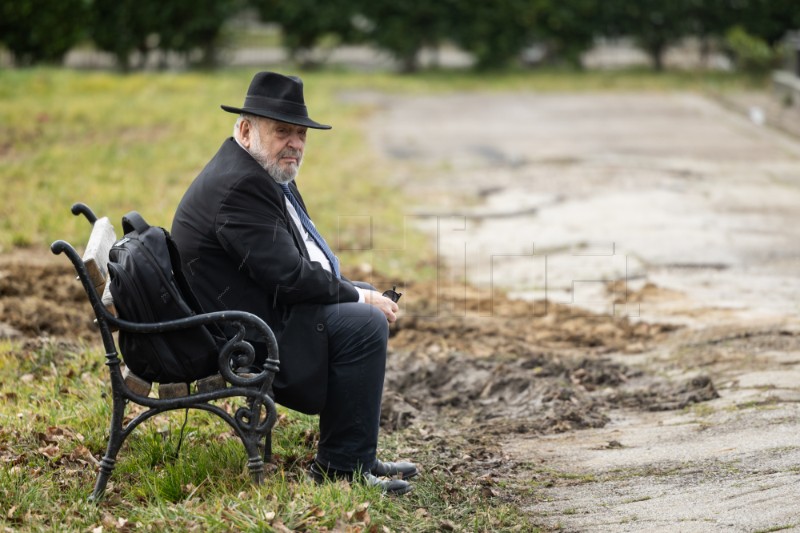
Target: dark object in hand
x=392 y=294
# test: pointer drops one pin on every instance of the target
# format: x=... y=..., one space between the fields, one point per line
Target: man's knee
x=373 y=331
x=368 y=320
x=378 y=323
x=357 y=327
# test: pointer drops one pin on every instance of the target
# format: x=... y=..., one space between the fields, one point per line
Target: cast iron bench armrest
x=79 y=208
x=245 y=354
x=244 y=350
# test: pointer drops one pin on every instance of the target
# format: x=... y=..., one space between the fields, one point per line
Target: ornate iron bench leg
x=251 y=437
x=256 y=466
x=115 y=440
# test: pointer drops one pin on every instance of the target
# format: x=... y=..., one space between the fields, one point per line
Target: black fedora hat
x=278 y=97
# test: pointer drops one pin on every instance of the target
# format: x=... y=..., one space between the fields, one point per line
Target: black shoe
x=403 y=469
x=389 y=486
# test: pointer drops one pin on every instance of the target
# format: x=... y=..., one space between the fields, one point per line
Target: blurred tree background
x=39 y=31
x=496 y=34
x=305 y=23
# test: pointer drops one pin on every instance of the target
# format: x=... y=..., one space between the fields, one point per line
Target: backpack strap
x=177 y=271
x=133 y=221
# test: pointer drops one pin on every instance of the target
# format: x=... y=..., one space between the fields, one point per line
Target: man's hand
x=383 y=303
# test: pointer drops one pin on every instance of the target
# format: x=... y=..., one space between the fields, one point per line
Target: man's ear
x=245 y=133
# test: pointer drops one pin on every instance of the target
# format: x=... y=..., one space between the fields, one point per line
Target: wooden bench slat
x=135 y=383
x=173 y=390
x=95 y=257
x=108 y=300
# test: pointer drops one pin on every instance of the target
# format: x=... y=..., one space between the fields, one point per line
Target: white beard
x=272 y=166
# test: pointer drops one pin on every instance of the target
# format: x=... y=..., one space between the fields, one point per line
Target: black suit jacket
x=241 y=251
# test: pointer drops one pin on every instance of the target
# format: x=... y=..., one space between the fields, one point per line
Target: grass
x=135 y=142
x=54 y=414
x=777 y=528
x=701 y=410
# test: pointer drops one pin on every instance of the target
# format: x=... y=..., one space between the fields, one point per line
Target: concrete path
x=657 y=207
x=566 y=193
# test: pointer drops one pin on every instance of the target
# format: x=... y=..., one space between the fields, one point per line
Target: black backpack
x=147 y=285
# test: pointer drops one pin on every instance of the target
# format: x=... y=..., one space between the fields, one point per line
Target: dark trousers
x=357 y=339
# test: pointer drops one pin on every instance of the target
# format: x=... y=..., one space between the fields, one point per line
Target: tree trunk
x=656 y=52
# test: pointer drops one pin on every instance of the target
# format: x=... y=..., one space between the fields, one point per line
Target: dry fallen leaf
x=446 y=525
x=362 y=515
x=108 y=521
x=81 y=454
x=280 y=527
x=50 y=451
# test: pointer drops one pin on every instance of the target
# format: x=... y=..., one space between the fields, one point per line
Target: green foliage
x=567 y=27
x=404 y=27
x=751 y=54
x=712 y=18
x=123 y=26
x=38 y=31
x=186 y=25
x=494 y=32
x=654 y=24
x=305 y=23
x=769 y=20
x=126 y=26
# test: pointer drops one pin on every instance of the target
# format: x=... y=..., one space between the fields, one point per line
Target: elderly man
x=247 y=243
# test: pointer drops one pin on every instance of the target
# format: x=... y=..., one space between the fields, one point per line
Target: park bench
x=252 y=416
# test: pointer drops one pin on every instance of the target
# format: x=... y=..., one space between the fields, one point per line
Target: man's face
x=278 y=147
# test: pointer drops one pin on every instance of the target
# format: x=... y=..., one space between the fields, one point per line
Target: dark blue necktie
x=309 y=227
